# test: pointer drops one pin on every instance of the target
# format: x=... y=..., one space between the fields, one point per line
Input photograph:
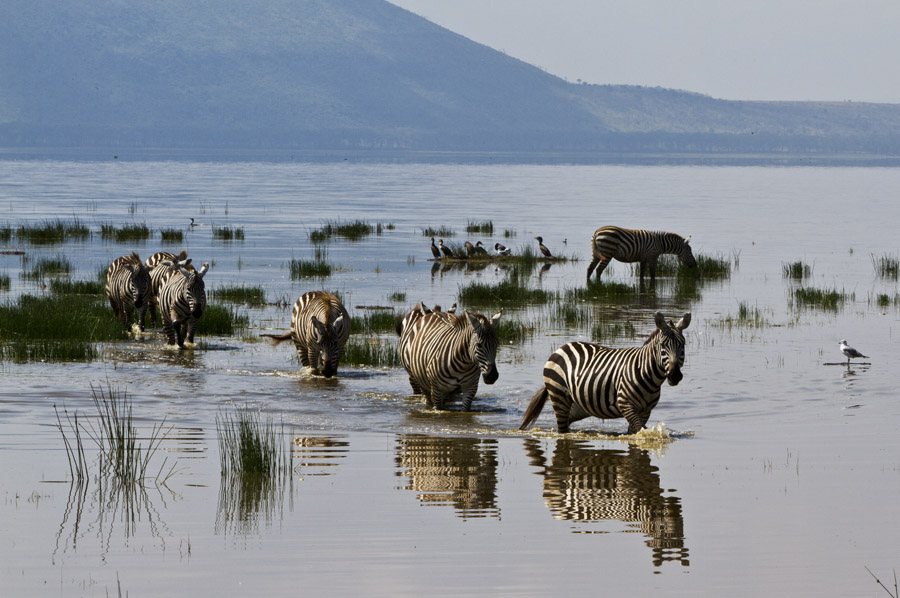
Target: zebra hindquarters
x=535 y=406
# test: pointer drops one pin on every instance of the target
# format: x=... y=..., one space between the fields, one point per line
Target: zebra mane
x=651 y=337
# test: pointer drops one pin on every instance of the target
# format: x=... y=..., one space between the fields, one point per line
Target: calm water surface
x=776 y=473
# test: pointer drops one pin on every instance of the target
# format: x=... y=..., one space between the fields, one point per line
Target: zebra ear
x=203 y=269
x=496 y=318
x=339 y=324
x=319 y=326
x=687 y=240
x=165 y=263
x=684 y=322
x=660 y=320
x=473 y=320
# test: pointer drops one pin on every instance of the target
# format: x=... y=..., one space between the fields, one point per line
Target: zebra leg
x=635 y=420
x=601 y=266
x=417 y=390
x=561 y=406
x=191 y=327
x=168 y=329
x=142 y=316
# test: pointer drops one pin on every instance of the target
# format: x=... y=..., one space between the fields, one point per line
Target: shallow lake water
x=775 y=473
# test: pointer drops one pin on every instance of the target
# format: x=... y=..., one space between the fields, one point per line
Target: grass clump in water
x=485 y=227
x=250 y=446
x=747 y=316
x=352 y=231
x=821 y=298
x=886 y=266
x=218 y=320
x=513 y=331
x=441 y=231
x=397 y=297
x=240 y=294
x=171 y=235
x=48 y=266
x=124 y=234
x=64 y=286
x=374 y=322
x=6 y=234
x=796 y=270
x=370 y=351
x=53 y=231
x=228 y=233
x=59 y=318
x=512 y=290
x=317 y=268
x=5 y=282
x=605 y=331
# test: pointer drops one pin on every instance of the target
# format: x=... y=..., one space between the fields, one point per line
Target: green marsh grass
x=397 y=297
x=747 y=317
x=5 y=282
x=65 y=286
x=512 y=290
x=124 y=234
x=439 y=232
x=603 y=291
x=606 y=331
x=352 y=231
x=57 y=318
x=822 y=298
x=886 y=266
x=246 y=295
x=218 y=320
x=513 y=331
x=309 y=269
x=171 y=235
x=48 y=266
x=374 y=322
x=228 y=233
x=51 y=232
x=6 y=234
x=249 y=445
x=485 y=227
x=371 y=351
x=796 y=270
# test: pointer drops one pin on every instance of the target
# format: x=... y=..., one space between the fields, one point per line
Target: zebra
x=320 y=327
x=128 y=288
x=182 y=301
x=157 y=275
x=627 y=245
x=584 y=379
x=443 y=354
x=583 y=483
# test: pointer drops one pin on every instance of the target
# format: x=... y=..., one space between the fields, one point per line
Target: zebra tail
x=277 y=339
x=534 y=407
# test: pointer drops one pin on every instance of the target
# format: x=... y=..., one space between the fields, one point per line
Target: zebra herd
x=444 y=353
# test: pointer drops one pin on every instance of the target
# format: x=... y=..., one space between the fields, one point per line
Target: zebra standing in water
x=182 y=300
x=157 y=275
x=128 y=288
x=584 y=379
x=627 y=245
x=443 y=354
x=320 y=327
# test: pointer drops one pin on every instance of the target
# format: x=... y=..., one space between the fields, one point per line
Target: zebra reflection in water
x=457 y=472
x=586 y=484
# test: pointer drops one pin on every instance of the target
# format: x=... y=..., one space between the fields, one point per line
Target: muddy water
x=774 y=472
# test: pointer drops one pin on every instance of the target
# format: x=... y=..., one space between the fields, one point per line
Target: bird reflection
x=456 y=472
x=586 y=484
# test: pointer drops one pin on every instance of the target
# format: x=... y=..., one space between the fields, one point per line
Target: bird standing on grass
x=444 y=249
x=850 y=352
x=501 y=249
x=541 y=246
x=434 y=250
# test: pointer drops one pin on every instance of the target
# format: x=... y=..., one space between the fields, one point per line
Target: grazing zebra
x=544 y=251
x=157 y=275
x=443 y=354
x=320 y=327
x=627 y=245
x=584 y=379
x=182 y=300
x=128 y=288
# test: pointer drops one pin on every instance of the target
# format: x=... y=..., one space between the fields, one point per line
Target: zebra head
x=670 y=346
x=139 y=280
x=483 y=344
x=684 y=253
x=195 y=289
x=328 y=339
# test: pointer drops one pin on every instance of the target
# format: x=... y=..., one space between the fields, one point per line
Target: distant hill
x=355 y=75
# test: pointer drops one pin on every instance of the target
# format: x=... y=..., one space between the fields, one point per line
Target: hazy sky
x=731 y=49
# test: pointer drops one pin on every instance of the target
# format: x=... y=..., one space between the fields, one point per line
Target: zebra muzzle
x=491 y=375
x=675 y=377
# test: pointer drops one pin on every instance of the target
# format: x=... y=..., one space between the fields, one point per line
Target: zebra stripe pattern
x=320 y=327
x=443 y=354
x=627 y=245
x=157 y=275
x=584 y=379
x=182 y=301
x=128 y=288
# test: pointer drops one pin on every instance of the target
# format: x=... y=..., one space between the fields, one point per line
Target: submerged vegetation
x=218 y=320
x=371 y=351
x=352 y=231
x=309 y=269
x=822 y=298
x=485 y=227
x=47 y=266
x=375 y=322
x=441 y=231
x=886 y=266
x=53 y=231
x=171 y=235
x=512 y=290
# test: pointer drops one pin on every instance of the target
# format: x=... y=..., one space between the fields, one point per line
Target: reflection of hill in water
x=586 y=484
x=456 y=472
